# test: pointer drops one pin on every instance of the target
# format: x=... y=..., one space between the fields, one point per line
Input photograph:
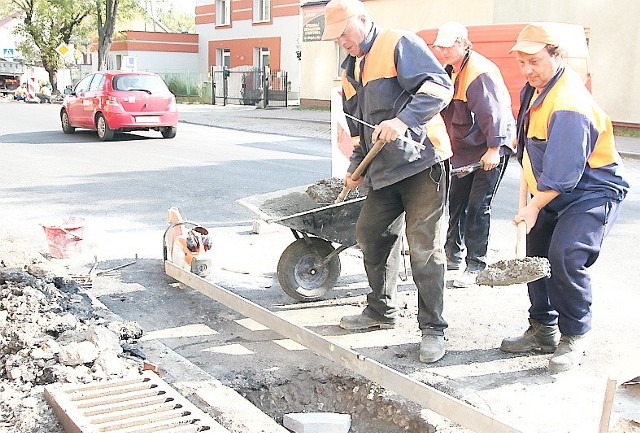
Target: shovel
x=522 y=269
x=375 y=149
x=467 y=169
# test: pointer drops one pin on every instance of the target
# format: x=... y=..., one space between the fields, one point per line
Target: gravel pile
x=51 y=333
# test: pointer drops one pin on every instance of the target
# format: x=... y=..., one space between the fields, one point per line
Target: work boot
x=452 y=265
x=362 y=321
x=537 y=337
x=467 y=279
x=568 y=354
x=431 y=348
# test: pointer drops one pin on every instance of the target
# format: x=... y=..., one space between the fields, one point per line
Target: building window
x=261 y=10
x=223 y=57
x=223 y=12
x=261 y=58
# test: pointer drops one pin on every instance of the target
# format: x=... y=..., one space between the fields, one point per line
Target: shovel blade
x=516 y=271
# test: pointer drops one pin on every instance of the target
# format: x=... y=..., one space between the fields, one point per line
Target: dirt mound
x=51 y=333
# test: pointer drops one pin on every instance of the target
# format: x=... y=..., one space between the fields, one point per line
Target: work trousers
x=571 y=241
x=470 y=200
x=418 y=201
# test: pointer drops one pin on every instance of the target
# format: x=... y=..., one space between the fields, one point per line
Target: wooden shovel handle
x=375 y=149
x=523 y=197
x=342 y=194
x=521 y=240
x=521 y=237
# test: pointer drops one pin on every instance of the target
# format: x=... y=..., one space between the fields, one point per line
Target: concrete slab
x=317 y=422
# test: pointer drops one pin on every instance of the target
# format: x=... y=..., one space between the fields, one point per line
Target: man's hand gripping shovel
x=375 y=149
x=522 y=269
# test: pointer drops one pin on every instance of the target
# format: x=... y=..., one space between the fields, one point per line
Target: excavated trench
x=372 y=408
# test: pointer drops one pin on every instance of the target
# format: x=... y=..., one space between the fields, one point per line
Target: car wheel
x=104 y=132
x=168 y=131
x=66 y=126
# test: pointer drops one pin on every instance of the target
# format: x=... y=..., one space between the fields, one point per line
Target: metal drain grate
x=143 y=404
x=84 y=281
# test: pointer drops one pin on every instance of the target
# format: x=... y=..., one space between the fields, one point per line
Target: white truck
x=10 y=73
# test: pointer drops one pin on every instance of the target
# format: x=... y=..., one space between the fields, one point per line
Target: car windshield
x=148 y=83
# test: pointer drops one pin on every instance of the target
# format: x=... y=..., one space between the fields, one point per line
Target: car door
x=75 y=109
x=92 y=98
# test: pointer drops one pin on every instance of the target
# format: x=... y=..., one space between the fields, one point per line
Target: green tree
x=107 y=13
x=6 y=8
x=177 y=21
x=47 y=24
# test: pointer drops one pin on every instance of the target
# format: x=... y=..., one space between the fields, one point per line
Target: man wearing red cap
x=482 y=129
x=567 y=151
x=393 y=81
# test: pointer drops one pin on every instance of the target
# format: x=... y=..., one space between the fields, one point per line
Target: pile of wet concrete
x=321 y=193
x=51 y=333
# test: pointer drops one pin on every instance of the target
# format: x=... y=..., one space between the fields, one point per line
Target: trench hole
x=372 y=408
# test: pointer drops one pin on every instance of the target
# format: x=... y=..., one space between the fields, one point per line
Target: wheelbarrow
x=310 y=266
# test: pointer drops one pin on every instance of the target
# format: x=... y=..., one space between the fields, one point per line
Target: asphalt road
x=123 y=188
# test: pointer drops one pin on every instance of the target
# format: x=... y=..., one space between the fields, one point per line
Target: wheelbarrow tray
x=293 y=208
x=309 y=267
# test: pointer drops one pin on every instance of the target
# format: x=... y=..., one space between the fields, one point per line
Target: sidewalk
x=301 y=122
x=292 y=121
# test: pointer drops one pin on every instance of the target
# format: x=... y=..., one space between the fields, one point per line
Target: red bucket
x=65 y=239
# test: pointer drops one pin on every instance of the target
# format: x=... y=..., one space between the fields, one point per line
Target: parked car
x=120 y=101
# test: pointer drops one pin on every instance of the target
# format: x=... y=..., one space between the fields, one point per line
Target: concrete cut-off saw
x=187 y=244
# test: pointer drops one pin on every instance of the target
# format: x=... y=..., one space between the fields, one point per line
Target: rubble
x=51 y=333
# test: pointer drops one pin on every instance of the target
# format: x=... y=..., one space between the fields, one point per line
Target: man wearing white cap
x=393 y=81
x=567 y=151
x=481 y=127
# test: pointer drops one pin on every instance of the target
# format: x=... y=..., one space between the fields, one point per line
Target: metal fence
x=247 y=85
x=243 y=85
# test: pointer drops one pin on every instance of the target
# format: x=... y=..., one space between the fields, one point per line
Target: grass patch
x=195 y=100
x=624 y=131
x=312 y=107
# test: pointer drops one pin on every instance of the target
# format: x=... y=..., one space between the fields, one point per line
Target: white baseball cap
x=449 y=33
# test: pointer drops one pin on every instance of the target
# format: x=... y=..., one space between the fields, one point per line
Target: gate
x=246 y=85
x=278 y=89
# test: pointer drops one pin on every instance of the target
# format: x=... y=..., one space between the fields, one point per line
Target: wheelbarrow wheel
x=299 y=272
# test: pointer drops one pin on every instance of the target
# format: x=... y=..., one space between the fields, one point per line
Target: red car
x=120 y=101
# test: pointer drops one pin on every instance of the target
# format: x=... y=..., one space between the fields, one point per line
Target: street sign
x=8 y=53
x=129 y=63
x=63 y=49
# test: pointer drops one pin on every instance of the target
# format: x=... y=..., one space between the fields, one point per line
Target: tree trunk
x=107 y=11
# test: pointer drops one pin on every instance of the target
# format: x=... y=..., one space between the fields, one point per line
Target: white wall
x=614 y=44
x=7 y=38
x=162 y=62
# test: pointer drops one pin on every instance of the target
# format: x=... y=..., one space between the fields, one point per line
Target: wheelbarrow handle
x=375 y=149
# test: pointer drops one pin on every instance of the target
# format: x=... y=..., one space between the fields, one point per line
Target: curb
x=225 y=405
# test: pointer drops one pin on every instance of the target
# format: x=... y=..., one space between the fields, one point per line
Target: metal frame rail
x=430 y=398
